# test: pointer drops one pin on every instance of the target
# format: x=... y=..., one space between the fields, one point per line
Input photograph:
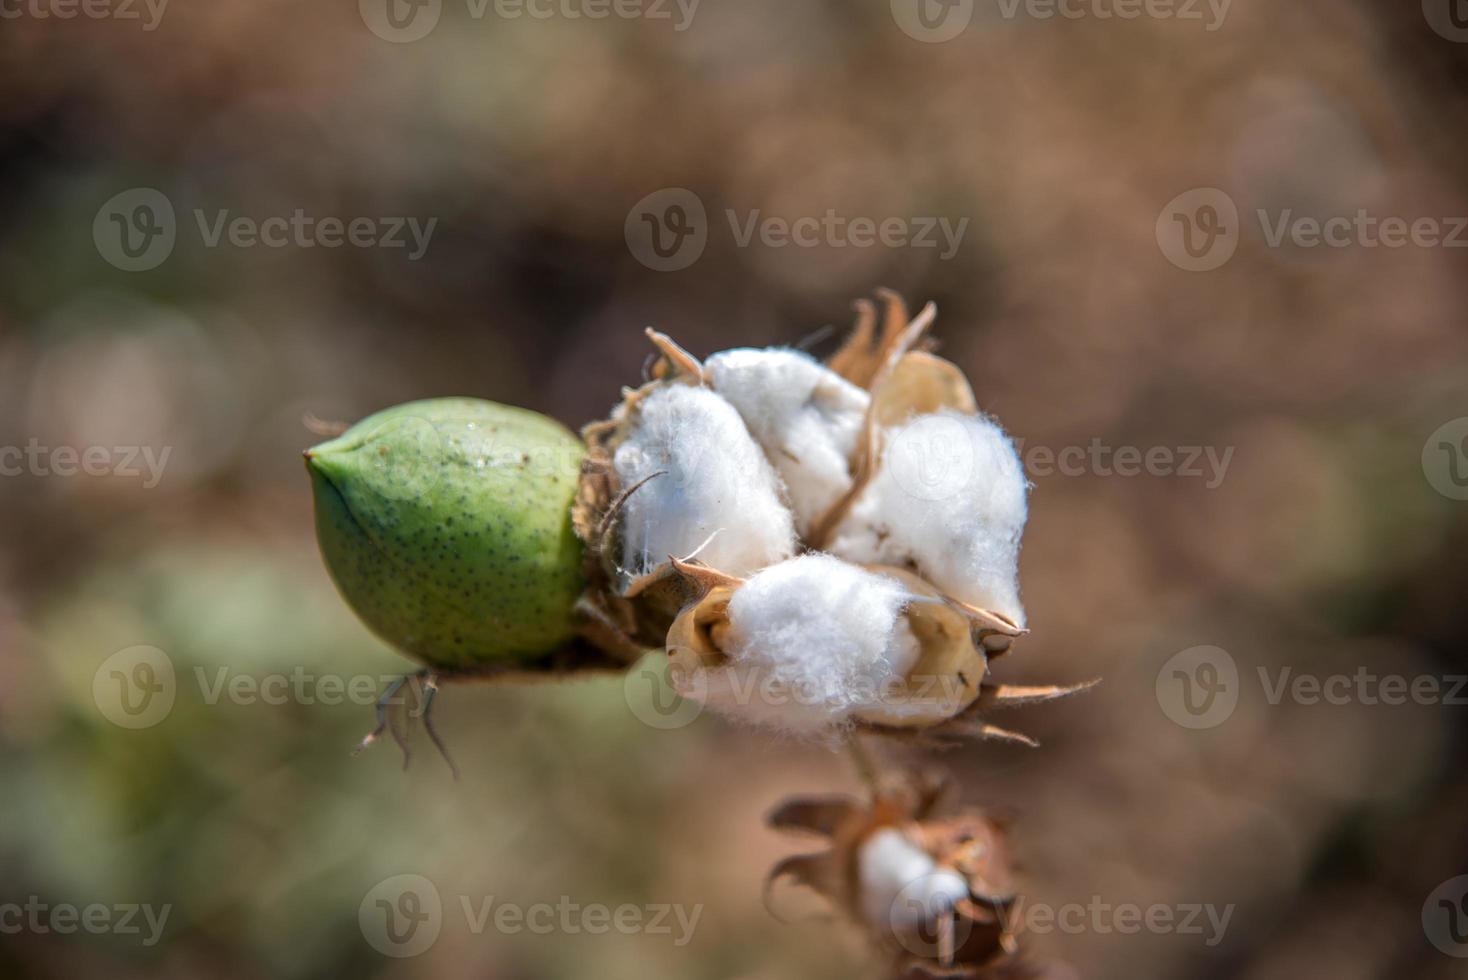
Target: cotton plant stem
x=866 y=768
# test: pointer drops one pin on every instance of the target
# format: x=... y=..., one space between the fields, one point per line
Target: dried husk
x=973 y=939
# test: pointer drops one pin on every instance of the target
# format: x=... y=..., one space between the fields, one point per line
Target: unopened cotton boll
x=948 y=498
x=715 y=483
x=809 y=641
x=901 y=885
x=805 y=416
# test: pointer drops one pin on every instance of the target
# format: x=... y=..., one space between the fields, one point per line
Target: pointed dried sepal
x=1014 y=695
x=986 y=622
x=674 y=358
x=821 y=815
x=864 y=355
x=704 y=578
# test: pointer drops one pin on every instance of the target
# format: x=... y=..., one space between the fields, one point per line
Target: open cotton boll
x=949 y=498
x=805 y=416
x=901 y=885
x=809 y=641
x=715 y=479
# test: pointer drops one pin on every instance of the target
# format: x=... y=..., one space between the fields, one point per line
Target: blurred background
x=157 y=359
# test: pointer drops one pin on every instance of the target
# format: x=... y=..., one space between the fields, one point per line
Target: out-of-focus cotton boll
x=949 y=498
x=901 y=885
x=715 y=479
x=810 y=640
x=805 y=416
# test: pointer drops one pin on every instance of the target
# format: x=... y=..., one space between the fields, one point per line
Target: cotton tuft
x=810 y=640
x=901 y=885
x=949 y=498
x=715 y=479
x=805 y=416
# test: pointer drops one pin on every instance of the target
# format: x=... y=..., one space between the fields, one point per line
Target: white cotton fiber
x=901 y=885
x=805 y=416
x=809 y=641
x=949 y=499
x=715 y=479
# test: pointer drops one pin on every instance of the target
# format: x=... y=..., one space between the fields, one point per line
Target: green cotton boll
x=446 y=524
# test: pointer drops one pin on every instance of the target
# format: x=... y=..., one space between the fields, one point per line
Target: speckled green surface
x=446 y=525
